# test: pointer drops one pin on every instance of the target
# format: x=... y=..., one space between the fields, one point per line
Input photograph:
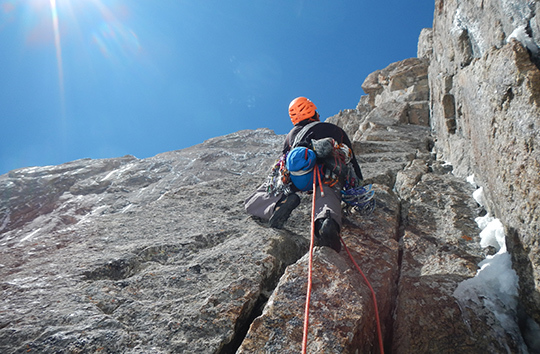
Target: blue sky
x=107 y=78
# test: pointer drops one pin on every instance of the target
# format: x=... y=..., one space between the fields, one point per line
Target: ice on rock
x=496 y=283
x=521 y=35
x=492 y=234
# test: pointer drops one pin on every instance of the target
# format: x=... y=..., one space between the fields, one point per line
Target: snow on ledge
x=496 y=283
x=520 y=34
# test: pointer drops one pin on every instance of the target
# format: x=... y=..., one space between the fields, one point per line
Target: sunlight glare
x=115 y=40
x=74 y=27
x=54 y=14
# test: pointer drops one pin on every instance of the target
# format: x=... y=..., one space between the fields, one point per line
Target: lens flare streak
x=57 y=44
x=76 y=28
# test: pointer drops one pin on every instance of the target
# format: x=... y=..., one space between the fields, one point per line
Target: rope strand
x=377 y=320
x=310 y=266
x=310 y=272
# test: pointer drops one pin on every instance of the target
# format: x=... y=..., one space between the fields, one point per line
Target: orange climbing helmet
x=301 y=109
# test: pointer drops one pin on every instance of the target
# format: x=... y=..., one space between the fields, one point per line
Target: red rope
x=317 y=176
x=310 y=266
x=378 y=321
x=310 y=272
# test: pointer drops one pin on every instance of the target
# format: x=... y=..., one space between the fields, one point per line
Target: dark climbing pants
x=262 y=205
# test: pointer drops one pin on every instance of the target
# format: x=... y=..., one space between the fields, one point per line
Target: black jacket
x=320 y=131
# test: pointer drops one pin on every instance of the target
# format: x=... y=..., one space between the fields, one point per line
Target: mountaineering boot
x=283 y=210
x=327 y=232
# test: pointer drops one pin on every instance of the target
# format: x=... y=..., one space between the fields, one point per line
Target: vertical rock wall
x=485 y=94
x=418 y=246
x=157 y=255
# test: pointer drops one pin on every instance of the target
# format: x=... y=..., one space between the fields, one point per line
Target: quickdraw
x=336 y=160
x=279 y=180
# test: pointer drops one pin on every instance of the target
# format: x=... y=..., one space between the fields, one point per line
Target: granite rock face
x=484 y=83
x=125 y=255
x=342 y=318
x=157 y=255
x=389 y=127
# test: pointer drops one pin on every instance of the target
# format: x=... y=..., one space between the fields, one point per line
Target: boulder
x=342 y=317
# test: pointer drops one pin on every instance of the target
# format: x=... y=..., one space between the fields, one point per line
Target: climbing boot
x=327 y=233
x=283 y=210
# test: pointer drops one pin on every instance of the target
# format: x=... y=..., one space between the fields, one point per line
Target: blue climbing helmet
x=300 y=163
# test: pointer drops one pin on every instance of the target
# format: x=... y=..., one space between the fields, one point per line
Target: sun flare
x=84 y=27
x=58 y=46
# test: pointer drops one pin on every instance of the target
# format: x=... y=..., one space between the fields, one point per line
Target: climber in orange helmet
x=275 y=200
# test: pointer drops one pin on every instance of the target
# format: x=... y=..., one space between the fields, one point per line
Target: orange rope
x=310 y=267
x=317 y=176
x=310 y=272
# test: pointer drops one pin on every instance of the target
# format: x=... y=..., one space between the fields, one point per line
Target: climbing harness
x=317 y=178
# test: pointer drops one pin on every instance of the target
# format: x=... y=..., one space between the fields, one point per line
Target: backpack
x=332 y=156
x=334 y=159
x=300 y=161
